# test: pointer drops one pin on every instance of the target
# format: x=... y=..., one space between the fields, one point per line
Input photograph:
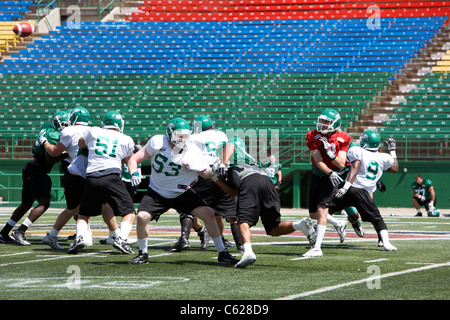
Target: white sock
x=11 y=222
x=320 y=234
x=301 y=225
x=53 y=233
x=384 y=236
x=333 y=220
x=143 y=245
x=248 y=248
x=82 y=228
x=27 y=222
x=218 y=242
x=115 y=233
x=125 y=229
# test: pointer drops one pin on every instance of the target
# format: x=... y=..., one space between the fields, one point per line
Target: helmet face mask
x=113 y=120
x=178 y=132
x=328 y=121
x=180 y=137
x=60 y=120
x=370 y=140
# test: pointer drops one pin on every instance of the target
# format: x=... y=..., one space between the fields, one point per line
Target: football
x=23 y=29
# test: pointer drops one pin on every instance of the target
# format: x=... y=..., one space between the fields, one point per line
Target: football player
x=208 y=139
x=73 y=178
x=424 y=195
x=176 y=164
x=367 y=167
x=256 y=197
x=273 y=170
x=328 y=147
x=107 y=148
x=36 y=182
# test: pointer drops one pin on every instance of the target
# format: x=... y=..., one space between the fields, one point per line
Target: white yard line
x=347 y=284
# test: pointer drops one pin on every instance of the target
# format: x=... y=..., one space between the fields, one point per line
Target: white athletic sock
x=125 y=229
x=248 y=248
x=115 y=233
x=384 y=236
x=301 y=225
x=332 y=220
x=27 y=222
x=53 y=233
x=320 y=234
x=82 y=228
x=143 y=245
x=218 y=242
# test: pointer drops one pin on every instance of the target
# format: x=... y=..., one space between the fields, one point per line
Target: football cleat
x=246 y=260
x=341 y=230
x=141 y=258
x=313 y=253
x=226 y=258
x=52 y=242
x=109 y=240
x=5 y=238
x=389 y=247
x=19 y=237
x=122 y=245
x=204 y=238
x=181 y=244
x=227 y=243
x=77 y=245
x=307 y=228
x=358 y=229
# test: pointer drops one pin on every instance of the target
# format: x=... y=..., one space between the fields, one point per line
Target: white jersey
x=106 y=148
x=372 y=166
x=211 y=139
x=69 y=138
x=171 y=173
x=78 y=166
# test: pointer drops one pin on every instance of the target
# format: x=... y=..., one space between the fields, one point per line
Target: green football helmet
x=60 y=120
x=178 y=132
x=113 y=120
x=328 y=121
x=79 y=115
x=201 y=123
x=370 y=140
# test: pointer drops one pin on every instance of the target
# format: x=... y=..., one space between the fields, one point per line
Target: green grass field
x=357 y=268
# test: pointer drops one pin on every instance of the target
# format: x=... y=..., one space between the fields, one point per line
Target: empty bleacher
x=14 y=10
x=274 y=65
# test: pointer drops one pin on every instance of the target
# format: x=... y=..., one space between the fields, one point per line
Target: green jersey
x=52 y=136
x=271 y=170
x=422 y=189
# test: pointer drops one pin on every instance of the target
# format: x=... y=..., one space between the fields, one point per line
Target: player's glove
x=42 y=139
x=220 y=170
x=135 y=179
x=390 y=144
x=326 y=148
x=336 y=180
x=422 y=198
x=381 y=186
x=342 y=191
